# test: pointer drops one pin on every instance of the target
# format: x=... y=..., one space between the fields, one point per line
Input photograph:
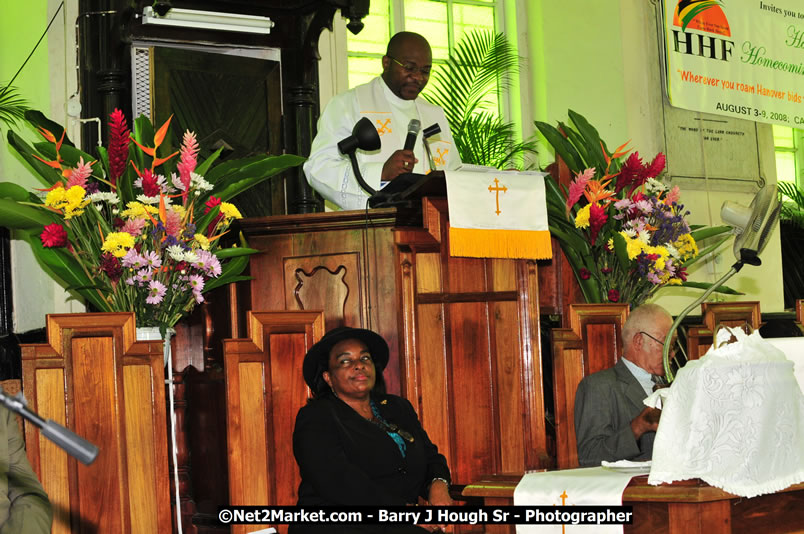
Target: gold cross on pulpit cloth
x=497 y=189
x=480 y=228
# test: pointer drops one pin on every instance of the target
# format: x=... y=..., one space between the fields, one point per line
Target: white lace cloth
x=734 y=418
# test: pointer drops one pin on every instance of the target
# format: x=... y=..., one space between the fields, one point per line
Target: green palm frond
x=792 y=203
x=479 y=67
x=12 y=105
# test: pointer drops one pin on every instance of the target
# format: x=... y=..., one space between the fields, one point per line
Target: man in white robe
x=390 y=101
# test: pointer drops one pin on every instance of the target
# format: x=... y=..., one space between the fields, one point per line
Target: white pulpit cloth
x=734 y=418
x=571 y=487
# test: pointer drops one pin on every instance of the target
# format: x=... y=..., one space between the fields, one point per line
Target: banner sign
x=741 y=58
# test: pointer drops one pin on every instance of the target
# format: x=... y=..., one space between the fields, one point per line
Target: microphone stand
x=746 y=256
x=73 y=444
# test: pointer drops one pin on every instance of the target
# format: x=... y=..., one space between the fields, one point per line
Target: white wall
x=35 y=293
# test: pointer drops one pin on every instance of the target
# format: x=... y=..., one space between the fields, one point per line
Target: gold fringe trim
x=522 y=244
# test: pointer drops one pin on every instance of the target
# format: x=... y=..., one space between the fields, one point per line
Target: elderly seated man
x=611 y=422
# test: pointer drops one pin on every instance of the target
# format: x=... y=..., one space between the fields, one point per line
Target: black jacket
x=346 y=460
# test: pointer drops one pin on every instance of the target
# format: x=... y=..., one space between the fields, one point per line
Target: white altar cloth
x=571 y=487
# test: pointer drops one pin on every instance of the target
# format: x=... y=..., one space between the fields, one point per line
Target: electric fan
x=753 y=226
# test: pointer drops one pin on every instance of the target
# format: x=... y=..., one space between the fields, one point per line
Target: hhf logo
x=706 y=17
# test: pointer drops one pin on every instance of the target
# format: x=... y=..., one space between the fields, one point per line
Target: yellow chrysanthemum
x=138 y=210
x=634 y=245
x=202 y=241
x=178 y=208
x=674 y=282
x=55 y=198
x=582 y=218
x=230 y=211
x=118 y=243
x=686 y=246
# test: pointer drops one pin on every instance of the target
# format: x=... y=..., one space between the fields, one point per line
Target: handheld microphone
x=413 y=131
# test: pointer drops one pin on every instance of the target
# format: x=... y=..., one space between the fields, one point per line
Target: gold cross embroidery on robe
x=383 y=127
x=442 y=156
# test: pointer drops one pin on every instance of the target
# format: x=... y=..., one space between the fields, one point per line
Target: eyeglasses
x=410 y=68
x=348 y=363
x=660 y=342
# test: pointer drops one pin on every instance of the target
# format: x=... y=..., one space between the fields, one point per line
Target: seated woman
x=356 y=445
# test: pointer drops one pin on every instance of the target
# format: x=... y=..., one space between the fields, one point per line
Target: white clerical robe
x=330 y=173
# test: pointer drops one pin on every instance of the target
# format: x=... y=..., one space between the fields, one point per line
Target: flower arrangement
x=623 y=230
x=134 y=230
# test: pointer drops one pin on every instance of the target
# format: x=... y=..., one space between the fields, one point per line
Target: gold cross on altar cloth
x=563 y=503
x=497 y=188
x=383 y=127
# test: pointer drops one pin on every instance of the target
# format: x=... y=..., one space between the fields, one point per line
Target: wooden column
x=264 y=391
x=592 y=343
x=93 y=378
x=469 y=330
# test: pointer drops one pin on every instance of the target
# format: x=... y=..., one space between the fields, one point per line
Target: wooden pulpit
x=463 y=333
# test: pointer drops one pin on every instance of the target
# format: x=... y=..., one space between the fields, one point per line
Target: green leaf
x=21 y=216
x=234 y=252
x=709 y=231
x=48 y=175
x=236 y=182
x=38 y=120
x=621 y=250
x=704 y=285
x=706 y=251
x=66 y=268
x=12 y=191
x=562 y=147
x=591 y=140
x=204 y=166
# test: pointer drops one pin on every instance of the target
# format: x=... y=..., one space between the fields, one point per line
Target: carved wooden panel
x=338 y=262
x=329 y=282
x=93 y=378
x=591 y=344
x=734 y=314
x=472 y=366
x=264 y=391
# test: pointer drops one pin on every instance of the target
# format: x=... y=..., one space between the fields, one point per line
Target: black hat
x=320 y=351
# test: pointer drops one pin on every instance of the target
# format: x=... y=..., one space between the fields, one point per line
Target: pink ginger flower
x=119 y=135
x=133 y=227
x=577 y=187
x=173 y=224
x=189 y=159
x=80 y=173
x=673 y=195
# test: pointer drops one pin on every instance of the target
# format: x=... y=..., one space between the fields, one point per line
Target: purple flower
x=133 y=260
x=152 y=259
x=156 y=292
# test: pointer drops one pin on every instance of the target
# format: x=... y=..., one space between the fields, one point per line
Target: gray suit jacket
x=605 y=404
x=24 y=506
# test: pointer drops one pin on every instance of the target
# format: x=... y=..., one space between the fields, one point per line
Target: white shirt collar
x=394 y=100
x=643 y=377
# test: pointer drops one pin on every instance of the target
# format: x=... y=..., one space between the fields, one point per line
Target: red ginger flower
x=656 y=166
x=211 y=203
x=149 y=185
x=111 y=266
x=119 y=136
x=53 y=236
x=630 y=173
x=597 y=218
